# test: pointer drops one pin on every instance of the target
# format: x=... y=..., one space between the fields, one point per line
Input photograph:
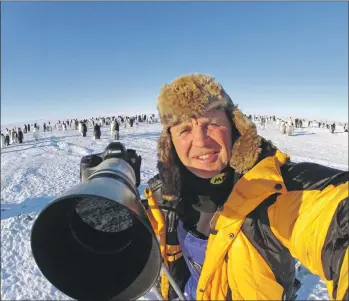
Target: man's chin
x=204 y=174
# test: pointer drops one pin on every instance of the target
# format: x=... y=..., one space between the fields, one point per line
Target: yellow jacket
x=304 y=206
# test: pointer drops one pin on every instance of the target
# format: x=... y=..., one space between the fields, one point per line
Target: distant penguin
x=263 y=123
x=289 y=129
x=332 y=128
x=114 y=130
x=7 y=139
x=15 y=136
x=283 y=128
x=97 y=131
x=132 y=122
x=84 y=129
x=35 y=134
x=80 y=127
x=20 y=136
x=10 y=136
x=2 y=142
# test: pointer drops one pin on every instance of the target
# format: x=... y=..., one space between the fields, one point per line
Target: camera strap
x=164 y=219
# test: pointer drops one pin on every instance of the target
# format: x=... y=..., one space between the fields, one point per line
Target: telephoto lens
x=95 y=242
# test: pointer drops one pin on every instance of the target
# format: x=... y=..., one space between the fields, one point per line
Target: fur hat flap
x=168 y=168
x=247 y=147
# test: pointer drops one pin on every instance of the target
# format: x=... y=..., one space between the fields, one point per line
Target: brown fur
x=188 y=96
x=168 y=168
x=165 y=150
x=242 y=123
x=246 y=148
x=245 y=152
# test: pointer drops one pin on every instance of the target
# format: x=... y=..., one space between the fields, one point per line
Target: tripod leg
x=157 y=293
x=173 y=283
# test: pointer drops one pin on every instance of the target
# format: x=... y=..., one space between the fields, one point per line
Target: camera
x=117 y=150
x=94 y=241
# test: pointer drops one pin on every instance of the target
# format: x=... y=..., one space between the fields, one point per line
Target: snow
x=33 y=173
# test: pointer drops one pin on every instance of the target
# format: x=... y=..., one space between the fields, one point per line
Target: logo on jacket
x=218 y=179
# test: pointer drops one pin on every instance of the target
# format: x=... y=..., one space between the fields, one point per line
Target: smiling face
x=204 y=144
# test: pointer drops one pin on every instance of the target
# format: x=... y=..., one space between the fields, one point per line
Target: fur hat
x=190 y=96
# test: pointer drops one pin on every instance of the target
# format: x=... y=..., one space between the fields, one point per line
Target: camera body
x=113 y=150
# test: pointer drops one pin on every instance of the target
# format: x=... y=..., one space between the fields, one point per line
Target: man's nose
x=200 y=136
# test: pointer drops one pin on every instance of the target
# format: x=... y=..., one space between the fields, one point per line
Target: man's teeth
x=205 y=156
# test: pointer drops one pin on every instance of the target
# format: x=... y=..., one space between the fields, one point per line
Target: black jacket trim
x=336 y=243
x=311 y=176
x=257 y=229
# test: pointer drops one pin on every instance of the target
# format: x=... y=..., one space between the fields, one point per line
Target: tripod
x=172 y=282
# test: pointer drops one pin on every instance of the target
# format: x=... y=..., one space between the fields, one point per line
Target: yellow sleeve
x=313 y=225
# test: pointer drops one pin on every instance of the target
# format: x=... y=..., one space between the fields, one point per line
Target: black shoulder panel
x=336 y=244
x=311 y=176
x=257 y=229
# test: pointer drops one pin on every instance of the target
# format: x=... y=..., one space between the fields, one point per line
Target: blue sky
x=67 y=59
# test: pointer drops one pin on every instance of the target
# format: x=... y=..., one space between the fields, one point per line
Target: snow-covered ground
x=33 y=173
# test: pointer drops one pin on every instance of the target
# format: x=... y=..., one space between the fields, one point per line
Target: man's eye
x=184 y=131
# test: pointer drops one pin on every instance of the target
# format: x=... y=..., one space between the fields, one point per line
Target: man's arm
x=312 y=221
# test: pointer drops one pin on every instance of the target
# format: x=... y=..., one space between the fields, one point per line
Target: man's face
x=204 y=144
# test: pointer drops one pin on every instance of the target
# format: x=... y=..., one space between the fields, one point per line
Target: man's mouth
x=206 y=155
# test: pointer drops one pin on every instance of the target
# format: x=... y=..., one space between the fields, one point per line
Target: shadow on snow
x=29 y=205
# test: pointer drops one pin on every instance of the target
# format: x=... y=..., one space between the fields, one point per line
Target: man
x=235 y=211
